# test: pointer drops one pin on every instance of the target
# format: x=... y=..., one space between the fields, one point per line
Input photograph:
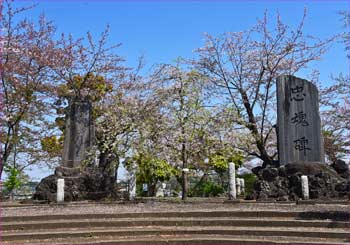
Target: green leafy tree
x=14 y=181
x=52 y=145
x=219 y=162
x=151 y=170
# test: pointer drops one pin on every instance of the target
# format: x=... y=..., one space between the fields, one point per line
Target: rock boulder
x=284 y=183
x=89 y=184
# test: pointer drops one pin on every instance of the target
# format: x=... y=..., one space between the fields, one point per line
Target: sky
x=165 y=30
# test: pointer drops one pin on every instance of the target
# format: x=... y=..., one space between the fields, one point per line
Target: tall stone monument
x=298 y=120
x=301 y=173
x=88 y=182
x=79 y=133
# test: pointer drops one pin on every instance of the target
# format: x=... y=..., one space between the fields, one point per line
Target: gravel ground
x=155 y=206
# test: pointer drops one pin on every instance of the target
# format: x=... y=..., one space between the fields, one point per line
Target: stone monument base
x=89 y=184
x=284 y=183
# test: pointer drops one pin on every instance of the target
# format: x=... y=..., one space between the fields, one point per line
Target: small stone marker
x=144 y=187
x=242 y=185
x=97 y=157
x=232 y=181
x=305 y=187
x=79 y=133
x=132 y=182
x=298 y=119
x=160 y=189
x=60 y=190
x=238 y=186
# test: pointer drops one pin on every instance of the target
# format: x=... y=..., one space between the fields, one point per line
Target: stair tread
x=110 y=224
x=171 y=219
x=157 y=213
x=175 y=228
x=165 y=238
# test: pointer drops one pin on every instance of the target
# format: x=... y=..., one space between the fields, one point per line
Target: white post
x=238 y=186
x=232 y=181
x=305 y=187
x=60 y=190
x=160 y=189
x=132 y=182
x=97 y=157
x=164 y=189
x=242 y=185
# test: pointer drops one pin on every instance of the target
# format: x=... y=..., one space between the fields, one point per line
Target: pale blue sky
x=164 y=30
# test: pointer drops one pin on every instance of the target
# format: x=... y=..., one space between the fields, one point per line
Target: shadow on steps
x=331 y=215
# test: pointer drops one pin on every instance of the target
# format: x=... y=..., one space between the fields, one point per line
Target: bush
x=249 y=179
x=206 y=189
x=212 y=189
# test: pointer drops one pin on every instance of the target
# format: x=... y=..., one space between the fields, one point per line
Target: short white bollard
x=242 y=185
x=232 y=181
x=238 y=186
x=60 y=190
x=305 y=187
x=132 y=182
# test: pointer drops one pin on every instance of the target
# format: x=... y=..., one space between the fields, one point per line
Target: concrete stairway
x=193 y=227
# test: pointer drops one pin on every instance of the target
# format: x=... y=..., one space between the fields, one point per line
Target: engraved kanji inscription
x=297 y=93
x=300 y=119
x=301 y=145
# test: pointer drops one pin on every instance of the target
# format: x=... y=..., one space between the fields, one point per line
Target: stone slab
x=298 y=120
x=79 y=133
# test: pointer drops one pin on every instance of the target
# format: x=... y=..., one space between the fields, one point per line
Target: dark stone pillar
x=79 y=133
x=299 y=125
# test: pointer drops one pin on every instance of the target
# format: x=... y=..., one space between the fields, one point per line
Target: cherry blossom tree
x=40 y=75
x=25 y=60
x=335 y=110
x=191 y=130
x=80 y=63
x=244 y=67
x=183 y=107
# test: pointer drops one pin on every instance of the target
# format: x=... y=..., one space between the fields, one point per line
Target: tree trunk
x=152 y=190
x=183 y=145
x=1 y=168
x=103 y=158
x=184 y=166
x=184 y=185
x=254 y=129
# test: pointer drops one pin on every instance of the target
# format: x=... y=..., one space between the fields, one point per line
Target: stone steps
x=157 y=231
x=205 y=213
x=127 y=222
x=190 y=239
x=193 y=227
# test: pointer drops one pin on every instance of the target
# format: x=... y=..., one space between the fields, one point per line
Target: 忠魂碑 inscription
x=299 y=126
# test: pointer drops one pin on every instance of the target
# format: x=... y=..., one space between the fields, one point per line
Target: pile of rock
x=284 y=183
x=87 y=184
